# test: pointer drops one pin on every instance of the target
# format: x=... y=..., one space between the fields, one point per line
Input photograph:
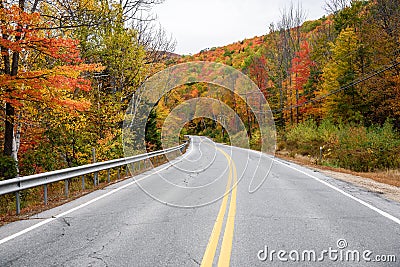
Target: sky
x=200 y=24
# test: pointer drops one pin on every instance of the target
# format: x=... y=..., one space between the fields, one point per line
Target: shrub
x=353 y=147
x=8 y=167
x=304 y=138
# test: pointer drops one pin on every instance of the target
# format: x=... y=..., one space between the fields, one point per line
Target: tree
x=301 y=70
x=334 y=6
x=381 y=37
x=129 y=56
x=24 y=37
x=286 y=38
x=349 y=17
x=340 y=71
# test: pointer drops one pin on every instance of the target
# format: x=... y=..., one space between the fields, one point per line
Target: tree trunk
x=10 y=143
x=10 y=113
x=9 y=130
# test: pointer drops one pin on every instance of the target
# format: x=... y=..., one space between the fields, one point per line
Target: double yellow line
x=226 y=247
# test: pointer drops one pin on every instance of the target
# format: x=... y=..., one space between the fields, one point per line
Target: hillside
x=317 y=62
x=332 y=83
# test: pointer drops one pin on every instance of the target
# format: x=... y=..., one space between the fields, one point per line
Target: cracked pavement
x=130 y=228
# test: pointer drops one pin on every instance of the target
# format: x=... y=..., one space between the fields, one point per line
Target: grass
x=354 y=147
x=390 y=177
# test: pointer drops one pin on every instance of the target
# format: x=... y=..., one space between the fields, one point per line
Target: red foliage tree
x=54 y=82
x=301 y=68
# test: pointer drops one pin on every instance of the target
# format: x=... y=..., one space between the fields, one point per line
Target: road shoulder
x=387 y=191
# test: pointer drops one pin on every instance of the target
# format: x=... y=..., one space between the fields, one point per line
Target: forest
x=332 y=83
x=69 y=69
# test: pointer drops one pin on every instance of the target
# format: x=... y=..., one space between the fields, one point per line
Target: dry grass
x=390 y=177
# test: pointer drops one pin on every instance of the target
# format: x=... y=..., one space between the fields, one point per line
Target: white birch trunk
x=16 y=144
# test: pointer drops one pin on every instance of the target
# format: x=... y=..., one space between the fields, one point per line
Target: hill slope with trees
x=331 y=83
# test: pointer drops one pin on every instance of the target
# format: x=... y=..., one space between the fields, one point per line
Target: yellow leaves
x=74 y=105
x=68 y=121
x=345 y=48
x=339 y=69
x=162 y=113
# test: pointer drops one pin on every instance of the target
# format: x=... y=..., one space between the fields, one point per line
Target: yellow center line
x=226 y=247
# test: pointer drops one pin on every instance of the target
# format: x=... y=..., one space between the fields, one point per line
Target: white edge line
x=383 y=213
x=8 y=238
x=362 y=202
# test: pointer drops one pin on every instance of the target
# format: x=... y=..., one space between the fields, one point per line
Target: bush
x=255 y=141
x=368 y=149
x=304 y=138
x=353 y=147
x=8 y=167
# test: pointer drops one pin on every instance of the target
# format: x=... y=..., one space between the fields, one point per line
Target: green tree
x=338 y=72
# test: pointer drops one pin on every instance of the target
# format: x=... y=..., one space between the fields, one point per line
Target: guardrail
x=15 y=185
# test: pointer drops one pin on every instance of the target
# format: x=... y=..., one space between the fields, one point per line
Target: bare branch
x=334 y=6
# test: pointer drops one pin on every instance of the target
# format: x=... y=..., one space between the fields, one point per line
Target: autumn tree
x=26 y=43
x=381 y=36
x=301 y=70
x=341 y=70
x=334 y=6
x=285 y=38
x=131 y=49
x=115 y=35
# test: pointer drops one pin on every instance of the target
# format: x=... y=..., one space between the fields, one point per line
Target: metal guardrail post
x=108 y=175
x=18 y=184
x=17 y=203
x=66 y=188
x=83 y=182
x=45 y=194
x=96 y=174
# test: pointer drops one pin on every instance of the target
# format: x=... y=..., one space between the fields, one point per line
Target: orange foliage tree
x=301 y=69
x=38 y=66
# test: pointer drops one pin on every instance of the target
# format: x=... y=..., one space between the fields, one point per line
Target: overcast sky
x=199 y=24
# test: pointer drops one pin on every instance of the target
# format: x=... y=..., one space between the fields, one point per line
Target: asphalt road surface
x=213 y=206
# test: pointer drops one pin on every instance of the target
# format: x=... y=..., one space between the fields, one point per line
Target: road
x=198 y=210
